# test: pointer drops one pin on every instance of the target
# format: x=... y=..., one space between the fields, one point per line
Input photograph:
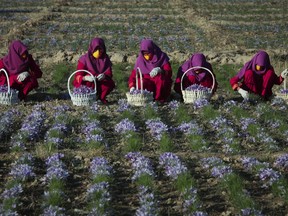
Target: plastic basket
x=142 y=98
x=283 y=95
x=82 y=99
x=190 y=96
x=9 y=97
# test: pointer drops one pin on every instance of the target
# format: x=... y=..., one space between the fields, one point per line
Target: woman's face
x=147 y=55
x=98 y=52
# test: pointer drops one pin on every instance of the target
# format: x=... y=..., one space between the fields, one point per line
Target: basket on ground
x=82 y=99
x=284 y=92
x=10 y=96
x=139 y=97
x=190 y=96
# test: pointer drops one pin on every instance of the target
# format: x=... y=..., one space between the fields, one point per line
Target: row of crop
x=235 y=130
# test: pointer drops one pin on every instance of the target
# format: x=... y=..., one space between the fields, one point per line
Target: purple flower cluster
x=56 y=169
x=220 y=122
x=22 y=172
x=191 y=199
x=12 y=192
x=199 y=103
x=196 y=87
x=284 y=91
x=147 y=202
x=53 y=211
x=4 y=89
x=250 y=212
x=282 y=162
x=59 y=110
x=93 y=132
x=123 y=105
x=191 y=127
x=268 y=176
x=98 y=193
x=33 y=124
x=140 y=164
x=100 y=167
x=82 y=90
x=23 y=168
x=172 y=165
x=94 y=107
x=245 y=122
x=174 y=105
x=279 y=103
x=125 y=126
x=7 y=122
x=9 y=198
x=249 y=163
x=139 y=91
x=56 y=134
x=156 y=128
x=209 y=162
x=221 y=171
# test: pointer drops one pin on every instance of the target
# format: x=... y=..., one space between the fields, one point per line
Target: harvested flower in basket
x=83 y=90
x=4 y=89
x=196 y=87
x=138 y=91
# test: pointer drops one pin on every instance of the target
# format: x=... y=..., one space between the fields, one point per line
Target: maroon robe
x=96 y=67
x=15 y=65
x=257 y=82
x=204 y=78
x=161 y=84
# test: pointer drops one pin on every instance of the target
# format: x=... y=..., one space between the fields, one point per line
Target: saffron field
x=219 y=157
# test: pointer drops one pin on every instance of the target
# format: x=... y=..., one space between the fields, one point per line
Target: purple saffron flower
x=221 y=171
x=249 y=163
x=82 y=90
x=147 y=202
x=156 y=128
x=138 y=91
x=22 y=172
x=282 y=162
x=250 y=212
x=199 y=103
x=140 y=164
x=56 y=168
x=209 y=162
x=190 y=128
x=125 y=126
x=100 y=167
x=174 y=105
x=123 y=105
x=12 y=192
x=53 y=211
x=172 y=165
x=268 y=176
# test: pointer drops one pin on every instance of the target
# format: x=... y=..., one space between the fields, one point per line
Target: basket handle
x=7 y=77
x=141 y=79
x=68 y=83
x=198 y=67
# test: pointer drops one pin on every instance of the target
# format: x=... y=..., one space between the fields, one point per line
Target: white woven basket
x=82 y=99
x=9 y=97
x=190 y=96
x=283 y=95
x=142 y=98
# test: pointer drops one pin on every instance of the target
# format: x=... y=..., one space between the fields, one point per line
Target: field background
x=228 y=32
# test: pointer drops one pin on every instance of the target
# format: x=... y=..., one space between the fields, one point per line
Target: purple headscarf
x=93 y=65
x=261 y=59
x=197 y=59
x=13 y=61
x=159 y=58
